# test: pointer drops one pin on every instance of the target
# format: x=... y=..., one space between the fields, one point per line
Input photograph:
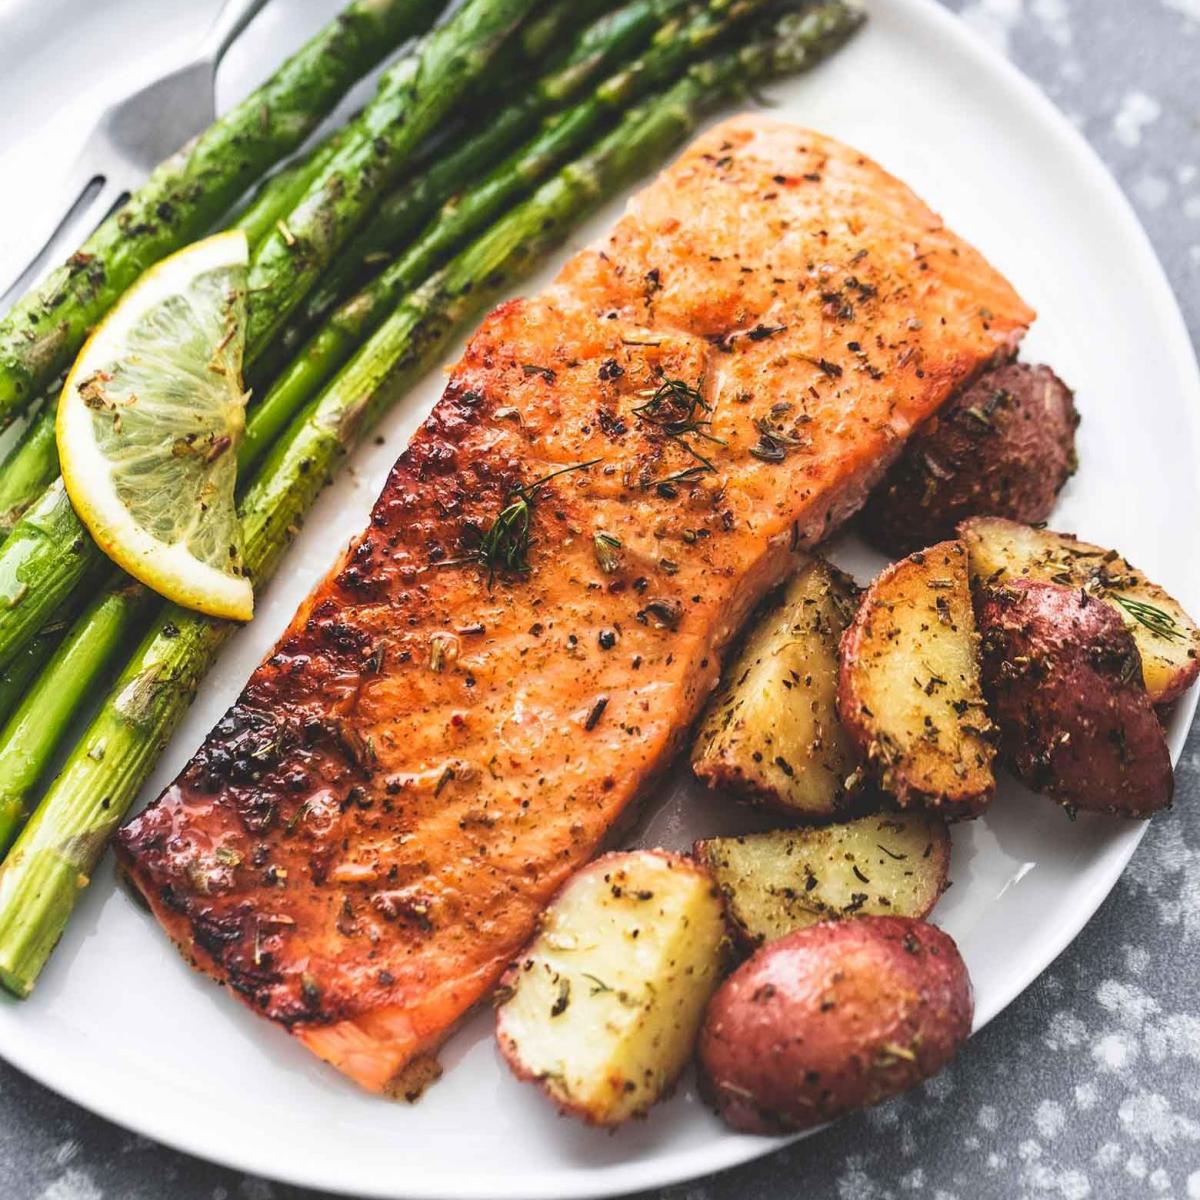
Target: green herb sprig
x=676 y=408
x=504 y=546
x=1154 y=619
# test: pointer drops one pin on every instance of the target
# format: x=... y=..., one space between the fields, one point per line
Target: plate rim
x=673 y=1167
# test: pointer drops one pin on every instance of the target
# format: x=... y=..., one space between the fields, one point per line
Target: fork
x=130 y=139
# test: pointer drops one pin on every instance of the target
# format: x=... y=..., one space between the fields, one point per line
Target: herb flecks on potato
x=909 y=691
x=831 y=1019
x=603 y=1007
x=771 y=733
x=775 y=883
x=1063 y=679
x=1003 y=446
x=1167 y=638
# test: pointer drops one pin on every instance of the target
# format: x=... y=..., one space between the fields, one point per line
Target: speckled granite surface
x=1089 y=1084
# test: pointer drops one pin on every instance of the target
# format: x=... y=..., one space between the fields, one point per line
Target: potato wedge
x=830 y=1019
x=1002 y=446
x=1167 y=638
x=908 y=690
x=771 y=733
x=603 y=1008
x=1064 y=683
x=775 y=883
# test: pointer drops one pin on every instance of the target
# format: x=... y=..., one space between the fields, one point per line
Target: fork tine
x=96 y=199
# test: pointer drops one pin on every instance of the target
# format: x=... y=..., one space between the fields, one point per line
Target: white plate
x=119 y=1024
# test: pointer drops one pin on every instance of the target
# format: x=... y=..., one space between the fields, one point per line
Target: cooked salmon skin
x=367 y=837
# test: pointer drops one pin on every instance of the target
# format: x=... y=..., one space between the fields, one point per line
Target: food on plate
x=149 y=423
x=909 y=692
x=414 y=96
x=28 y=468
x=771 y=733
x=775 y=883
x=619 y=469
x=603 y=1007
x=1063 y=678
x=472 y=195
x=1167 y=638
x=50 y=550
x=100 y=776
x=833 y=1018
x=1003 y=446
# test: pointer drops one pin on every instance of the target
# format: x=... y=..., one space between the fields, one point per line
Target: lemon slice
x=149 y=424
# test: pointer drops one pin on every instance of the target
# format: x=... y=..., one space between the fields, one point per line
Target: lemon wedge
x=149 y=423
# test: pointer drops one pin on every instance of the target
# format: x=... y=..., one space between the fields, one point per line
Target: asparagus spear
x=30 y=467
x=16 y=678
x=80 y=660
x=282 y=191
x=413 y=97
x=49 y=550
x=46 y=555
x=59 y=848
x=191 y=190
x=675 y=41
x=21 y=672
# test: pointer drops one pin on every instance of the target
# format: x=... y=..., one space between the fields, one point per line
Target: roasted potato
x=1003 y=446
x=775 y=883
x=832 y=1018
x=1167 y=638
x=908 y=689
x=771 y=733
x=603 y=1007
x=1064 y=683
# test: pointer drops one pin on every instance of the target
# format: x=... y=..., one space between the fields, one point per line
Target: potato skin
x=1063 y=679
x=1004 y=446
x=833 y=1018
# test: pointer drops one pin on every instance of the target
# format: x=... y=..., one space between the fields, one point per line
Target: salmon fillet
x=367 y=837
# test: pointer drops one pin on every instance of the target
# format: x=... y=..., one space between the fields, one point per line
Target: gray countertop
x=1089 y=1084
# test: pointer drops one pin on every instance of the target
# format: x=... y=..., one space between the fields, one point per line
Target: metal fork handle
x=234 y=16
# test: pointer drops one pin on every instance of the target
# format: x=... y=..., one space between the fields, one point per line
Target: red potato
x=1004 y=446
x=771 y=732
x=1063 y=678
x=833 y=1018
x=908 y=685
x=1167 y=638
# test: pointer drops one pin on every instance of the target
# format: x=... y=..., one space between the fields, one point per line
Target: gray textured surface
x=1089 y=1084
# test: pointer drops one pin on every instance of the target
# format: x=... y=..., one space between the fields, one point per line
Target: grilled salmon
x=619 y=468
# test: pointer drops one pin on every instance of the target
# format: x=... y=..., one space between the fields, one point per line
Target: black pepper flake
x=593 y=717
x=563 y=999
x=827 y=368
